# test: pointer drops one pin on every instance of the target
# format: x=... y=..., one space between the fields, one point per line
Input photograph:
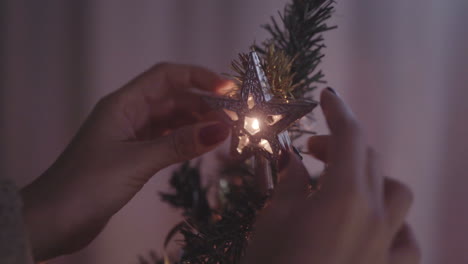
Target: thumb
x=186 y=143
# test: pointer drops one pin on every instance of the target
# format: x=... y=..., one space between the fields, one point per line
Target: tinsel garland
x=290 y=60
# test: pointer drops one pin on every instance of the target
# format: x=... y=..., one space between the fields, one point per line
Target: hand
x=357 y=217
x=133 y=133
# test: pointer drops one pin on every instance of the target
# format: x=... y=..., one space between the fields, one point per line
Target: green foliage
x=290 y=59
x=212 y=235
x=300 y=37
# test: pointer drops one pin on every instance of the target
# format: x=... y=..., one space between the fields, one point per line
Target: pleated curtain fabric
x=402 y=65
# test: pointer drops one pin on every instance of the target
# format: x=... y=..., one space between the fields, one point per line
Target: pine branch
x=189 y=194
x=290 y=59
x=300 y=37
x=213 y=235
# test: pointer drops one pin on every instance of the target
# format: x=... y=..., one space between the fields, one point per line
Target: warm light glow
x=252 y=125
x=255 y=124
x=243 y=142
x=250 y=101
x=271 y=120
x=265 y=145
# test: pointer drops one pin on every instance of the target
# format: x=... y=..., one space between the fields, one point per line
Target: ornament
x=259 y=120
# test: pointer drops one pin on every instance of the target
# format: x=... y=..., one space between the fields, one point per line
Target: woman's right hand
x=357 y=216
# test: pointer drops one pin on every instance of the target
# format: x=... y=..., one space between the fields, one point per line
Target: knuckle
x=113 y=100
x=356 y=203
x=103 y=101
x=104 y=105
x=162 y=65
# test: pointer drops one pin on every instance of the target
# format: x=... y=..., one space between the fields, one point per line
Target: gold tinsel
x=277 y=67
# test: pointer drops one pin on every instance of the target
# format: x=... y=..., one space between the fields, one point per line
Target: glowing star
x=251 y=125
x=259 y=121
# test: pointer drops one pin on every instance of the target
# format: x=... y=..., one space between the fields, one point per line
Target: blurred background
x=402 y=66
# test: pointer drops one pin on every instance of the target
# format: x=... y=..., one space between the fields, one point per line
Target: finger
x=398 y=199
x=374 y=175
x=185 y=119
x=339 y=117
x=293 y=177
x=318 y=147
x=184 y=144
x=176 y=77
x=163 y=88
x=347 y=148
x=405 y=249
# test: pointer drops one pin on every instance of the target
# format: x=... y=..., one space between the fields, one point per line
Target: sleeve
x=14 y=247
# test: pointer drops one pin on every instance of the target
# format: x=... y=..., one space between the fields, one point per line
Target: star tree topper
x=259 y=120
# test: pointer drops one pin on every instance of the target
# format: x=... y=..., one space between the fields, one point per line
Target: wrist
x=42 y=217
x=60 y=219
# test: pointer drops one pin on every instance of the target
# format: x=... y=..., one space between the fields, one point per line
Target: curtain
x=401 y=65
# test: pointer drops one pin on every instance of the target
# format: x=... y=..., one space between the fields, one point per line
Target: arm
x=131 y=134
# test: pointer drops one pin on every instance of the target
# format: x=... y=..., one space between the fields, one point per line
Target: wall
x=402 y=65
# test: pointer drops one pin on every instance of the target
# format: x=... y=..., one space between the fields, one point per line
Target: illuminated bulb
x=251 y=125
x=255 y=124
x=223 y=184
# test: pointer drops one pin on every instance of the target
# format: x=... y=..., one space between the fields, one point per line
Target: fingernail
x=331 y=90
x=213 y=134
x=283 y=160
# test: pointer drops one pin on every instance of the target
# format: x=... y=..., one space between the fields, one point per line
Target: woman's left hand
x=131 y=134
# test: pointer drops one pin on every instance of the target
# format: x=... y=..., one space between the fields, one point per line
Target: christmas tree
x=289 y=64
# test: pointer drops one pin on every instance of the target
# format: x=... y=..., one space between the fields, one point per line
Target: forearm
x=53 y=216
